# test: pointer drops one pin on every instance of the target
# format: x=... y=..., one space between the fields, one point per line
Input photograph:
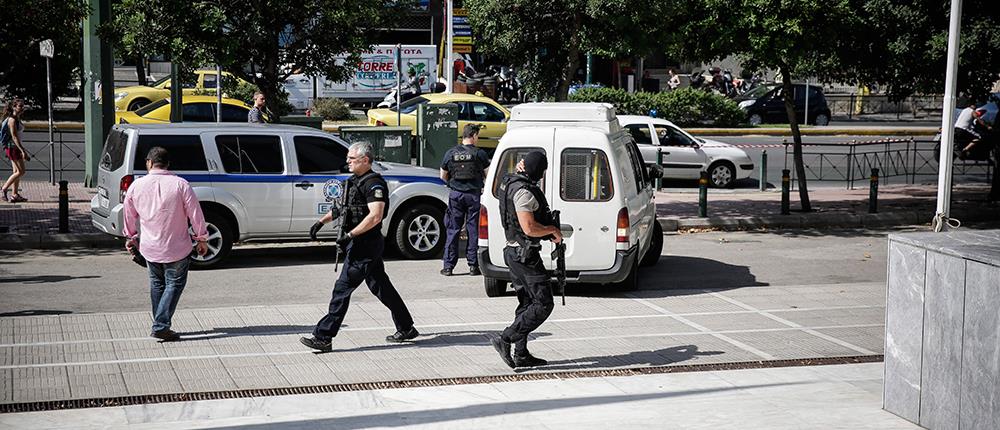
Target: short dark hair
x=470 y=130
x=158 y=156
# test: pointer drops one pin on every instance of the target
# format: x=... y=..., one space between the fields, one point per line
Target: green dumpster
x=437 y=131
x=307 y=121
x=390 y=144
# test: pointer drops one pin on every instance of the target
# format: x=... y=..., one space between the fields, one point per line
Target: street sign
x=47 y=48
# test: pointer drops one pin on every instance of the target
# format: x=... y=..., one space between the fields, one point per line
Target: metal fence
x=66 y=152
x=853 y=161
x=851 y=105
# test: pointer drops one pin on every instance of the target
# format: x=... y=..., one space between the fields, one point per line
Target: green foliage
x=684 y=107
x=24 y=24
x=332 y=108
x=243 y=91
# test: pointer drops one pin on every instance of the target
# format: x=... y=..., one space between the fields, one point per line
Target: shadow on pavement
x=43 y=279
x=34 y=313
x=442 y=416
x=672 y=355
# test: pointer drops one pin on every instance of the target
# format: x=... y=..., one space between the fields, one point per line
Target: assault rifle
x=338 y=212
x=559 y=258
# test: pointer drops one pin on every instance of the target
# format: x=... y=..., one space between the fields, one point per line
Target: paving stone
x=693 y=303
x=38 y=354
x=870 y=338
x=727 y=322
x=793 y=344
x=83 y=386
x=308 y=374
x=90 y=351
x=39 y=383
x=202 y=375
x=6 y=385
x=162 y=382
x=246 y=377
x=138 y=349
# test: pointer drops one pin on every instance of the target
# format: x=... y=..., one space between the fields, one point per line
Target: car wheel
x=631 y=282
x=420 y=232
x=495 y=287
x=220 y=241
x=756 y=119
x=721 y=174
x=655 y=246
x=137 y=103
x=822 y=120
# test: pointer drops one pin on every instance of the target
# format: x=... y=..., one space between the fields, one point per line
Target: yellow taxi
x=135 y=97
x=196 y=109
x=473 y=109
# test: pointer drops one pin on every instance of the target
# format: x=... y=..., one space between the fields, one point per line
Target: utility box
x=437 y=131
x=390 y=144
x=307 y=121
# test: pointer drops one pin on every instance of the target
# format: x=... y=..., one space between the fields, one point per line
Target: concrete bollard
x=703 y=195
x=786 y=182
x=873 y=193
x=64 y=206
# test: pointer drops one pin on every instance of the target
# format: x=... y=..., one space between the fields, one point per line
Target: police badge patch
x=378 y=193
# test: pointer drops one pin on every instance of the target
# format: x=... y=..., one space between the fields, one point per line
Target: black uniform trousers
x=363 y=262
x=534 y=296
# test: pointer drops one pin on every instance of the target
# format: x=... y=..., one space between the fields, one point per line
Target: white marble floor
x=820 y=397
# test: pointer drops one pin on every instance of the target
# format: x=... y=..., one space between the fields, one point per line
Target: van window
x=508 y=163
x=639 y=164
x=319 y=155
x=113 y=155
x=585 y=176
x=635 y=166
x=640 y=132
x=185 y=151
x=250 y=154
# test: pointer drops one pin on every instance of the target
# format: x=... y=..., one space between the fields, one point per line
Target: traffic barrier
x=703 y=195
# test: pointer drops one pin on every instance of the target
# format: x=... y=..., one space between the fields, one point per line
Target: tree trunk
x=268 y=82
x=562 y=94
x=140 y=70
x=800 y=168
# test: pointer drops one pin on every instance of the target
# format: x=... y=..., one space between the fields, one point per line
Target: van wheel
x=756 y=119
x=655 y=246
x=721 y=174
x=220 y=242
x=631 y=282
x=420 y=232
x=495 y=287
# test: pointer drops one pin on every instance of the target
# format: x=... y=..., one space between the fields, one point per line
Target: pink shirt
x=163 y=203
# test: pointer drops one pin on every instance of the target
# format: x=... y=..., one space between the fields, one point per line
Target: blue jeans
x=166 y=283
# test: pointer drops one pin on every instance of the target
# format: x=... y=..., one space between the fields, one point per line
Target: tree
x=545 y=38
x=802 y=38
x=263 y=41
x=905 y=45
x=27 y=22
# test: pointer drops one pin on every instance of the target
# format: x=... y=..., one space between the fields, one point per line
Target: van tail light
x=622 y=231
x=126 y=182
x=484 y=223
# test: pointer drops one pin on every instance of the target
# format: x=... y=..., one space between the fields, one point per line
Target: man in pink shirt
x=162 y=204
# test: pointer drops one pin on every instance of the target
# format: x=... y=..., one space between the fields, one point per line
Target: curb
x=874 y=131
x=816 y=220
x=19 y=241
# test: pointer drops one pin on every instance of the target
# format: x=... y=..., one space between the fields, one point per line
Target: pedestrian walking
x=464 y=170
x=366 y=205
x=163 y=204
x=256 y=114
x=527 y=221
x=11 y=138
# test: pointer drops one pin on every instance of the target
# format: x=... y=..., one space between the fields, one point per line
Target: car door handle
x=304 y=185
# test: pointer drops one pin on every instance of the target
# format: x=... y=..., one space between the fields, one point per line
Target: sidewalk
x=34 y=224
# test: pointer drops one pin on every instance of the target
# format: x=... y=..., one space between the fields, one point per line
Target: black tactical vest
x=509 y=187
x=357 y=205
x=464 y=164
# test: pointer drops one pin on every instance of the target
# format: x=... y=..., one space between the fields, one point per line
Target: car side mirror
x=655 y=172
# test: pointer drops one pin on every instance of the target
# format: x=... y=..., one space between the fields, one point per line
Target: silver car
x=265 y=182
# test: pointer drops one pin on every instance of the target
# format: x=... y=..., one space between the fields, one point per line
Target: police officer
x=367 y=203
x=464 y=169
x=526 y=220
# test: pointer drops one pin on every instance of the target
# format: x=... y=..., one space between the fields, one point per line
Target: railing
x=911 y=107
x=67 y=148
x=852 y=161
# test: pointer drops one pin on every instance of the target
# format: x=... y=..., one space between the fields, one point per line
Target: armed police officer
x=366 y=205
x=464 y=169
x=526 y=220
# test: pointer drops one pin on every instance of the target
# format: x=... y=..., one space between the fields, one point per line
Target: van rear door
x=584 y=191
x=110 y=169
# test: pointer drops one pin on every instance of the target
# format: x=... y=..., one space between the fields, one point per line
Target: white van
x=597 y=180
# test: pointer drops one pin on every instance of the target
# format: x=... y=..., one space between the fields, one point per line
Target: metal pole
x=703 y=195
x=449 y=36
x=52 y=147
x=873 y=193
x=659 y=162
x=785 y=189
x=218 y=93
x=806 y=120
x=948 y=120
x=64 y=206
x=590 y=67
x=763 y=170
x=399 y=84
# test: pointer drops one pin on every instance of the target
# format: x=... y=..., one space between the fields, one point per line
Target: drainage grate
x=515 y=377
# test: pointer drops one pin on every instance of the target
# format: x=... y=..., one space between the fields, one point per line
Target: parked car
x=472 y=109
x=687 y=156
x=770 y=107
x=196 y=109
x=265 y=182
x=595 y=177
x=135 y=97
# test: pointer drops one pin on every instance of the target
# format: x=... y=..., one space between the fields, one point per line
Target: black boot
x=403 y=335
x=320 y=345
x=503 y=348
x=528 y=360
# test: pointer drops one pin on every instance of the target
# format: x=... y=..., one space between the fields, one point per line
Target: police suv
x=596 y=178
x=265 y=182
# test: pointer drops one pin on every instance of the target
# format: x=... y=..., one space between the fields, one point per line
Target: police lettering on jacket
x=464 y=166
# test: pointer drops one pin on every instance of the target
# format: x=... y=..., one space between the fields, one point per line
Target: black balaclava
x=535 y=164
